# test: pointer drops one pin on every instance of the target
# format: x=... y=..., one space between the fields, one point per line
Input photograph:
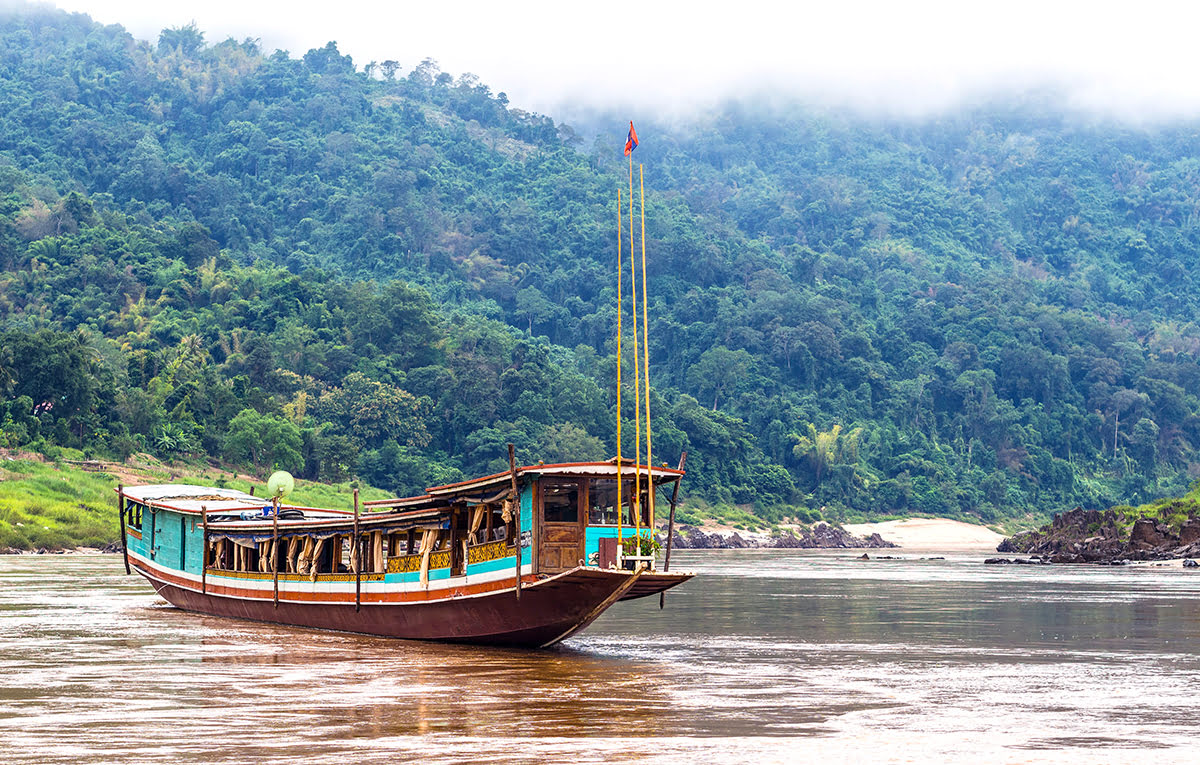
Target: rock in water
x=819 y=535
x=1094 y=536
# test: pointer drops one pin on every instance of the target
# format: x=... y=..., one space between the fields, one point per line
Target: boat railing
x=403 y=564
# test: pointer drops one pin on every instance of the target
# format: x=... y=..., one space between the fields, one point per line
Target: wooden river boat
x=523 y=558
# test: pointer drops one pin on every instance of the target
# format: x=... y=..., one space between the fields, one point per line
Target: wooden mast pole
x=275 y=549
x=204 y=548
x=516 y=502
x=356 y=558
x=124 y=536
x=646 y=352
x=671 y=526
x=620 y=363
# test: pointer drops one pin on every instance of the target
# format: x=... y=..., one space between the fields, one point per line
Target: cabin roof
x=500 y=480
x=191 y=498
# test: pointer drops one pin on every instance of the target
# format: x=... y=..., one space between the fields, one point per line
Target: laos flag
x=631 y=142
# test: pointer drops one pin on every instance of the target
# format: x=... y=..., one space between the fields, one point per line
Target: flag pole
x=620 y=278
x=637 y=374
x=646 y=350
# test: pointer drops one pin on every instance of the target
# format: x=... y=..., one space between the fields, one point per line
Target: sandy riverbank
x=931 y=534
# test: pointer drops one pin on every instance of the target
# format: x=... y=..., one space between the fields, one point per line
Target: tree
x=372 y=413
x=266 y=439
x=824 y=449
x=187 y=39
x=719 y=371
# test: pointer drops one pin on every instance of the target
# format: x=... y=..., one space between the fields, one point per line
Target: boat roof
x=192 y=499
x=180 y=496
x=464 y=489
x=186 y=498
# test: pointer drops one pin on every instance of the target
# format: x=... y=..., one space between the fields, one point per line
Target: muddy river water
x=767 y=656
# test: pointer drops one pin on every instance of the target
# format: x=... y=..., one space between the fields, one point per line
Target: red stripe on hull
x=549 y=610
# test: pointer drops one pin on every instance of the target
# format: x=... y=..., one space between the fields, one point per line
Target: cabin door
x=560 y=535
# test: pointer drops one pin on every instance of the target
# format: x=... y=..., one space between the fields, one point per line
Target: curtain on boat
x=428 y=539
x=377 y=563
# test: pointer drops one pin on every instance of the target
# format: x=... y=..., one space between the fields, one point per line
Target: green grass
x=58 y=506
x=1174 y=511
x=42 y=505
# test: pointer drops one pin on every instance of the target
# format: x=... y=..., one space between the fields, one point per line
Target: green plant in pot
x=642 y=545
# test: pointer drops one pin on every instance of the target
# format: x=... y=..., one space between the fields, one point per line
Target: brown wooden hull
x=654 y=582
x=548 y=610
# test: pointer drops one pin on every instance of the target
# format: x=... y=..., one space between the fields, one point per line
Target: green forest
x=382 y=271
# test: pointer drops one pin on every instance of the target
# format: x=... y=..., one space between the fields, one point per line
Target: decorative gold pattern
x=404 y=563
x=408 y=563
x=487 y=552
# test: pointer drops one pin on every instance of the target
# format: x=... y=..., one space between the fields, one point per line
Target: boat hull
x=654 y=582
x=548 y=610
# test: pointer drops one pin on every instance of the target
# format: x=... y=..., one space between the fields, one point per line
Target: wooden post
x=516 y=500
x=356 y=559
x=275 y=549
x=204 y=548
x=662 y=596
x=124 y=537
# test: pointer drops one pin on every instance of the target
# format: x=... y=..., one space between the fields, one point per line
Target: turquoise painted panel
x=194 y=531
x=164 y=537
x=594 y=534
x=409 y=577
x=527 y=522
x=170 y=539
x=500 y=564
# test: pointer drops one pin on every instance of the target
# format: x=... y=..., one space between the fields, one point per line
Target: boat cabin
x=566 y=516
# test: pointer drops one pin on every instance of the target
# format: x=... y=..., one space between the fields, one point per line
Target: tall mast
x=620 y=363
x=646 y=352
x=637 y=374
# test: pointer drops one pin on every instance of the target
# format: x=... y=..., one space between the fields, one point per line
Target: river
x=767 y=656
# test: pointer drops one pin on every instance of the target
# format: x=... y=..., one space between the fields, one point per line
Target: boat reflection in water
x=436 y=688
x=523 y=558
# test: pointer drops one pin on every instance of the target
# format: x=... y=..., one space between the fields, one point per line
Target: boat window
x=133 y=515
x=602 y=502
x=560 y=501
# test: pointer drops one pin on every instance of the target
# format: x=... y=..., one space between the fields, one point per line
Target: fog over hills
x=671 y=59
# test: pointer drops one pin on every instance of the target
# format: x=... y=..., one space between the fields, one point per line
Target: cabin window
x=602 y=503
x=560 y=501
x=602 y=510
x=133 y=515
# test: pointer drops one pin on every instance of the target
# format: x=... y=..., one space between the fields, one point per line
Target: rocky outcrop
x=819 y=535
x=1107 y=536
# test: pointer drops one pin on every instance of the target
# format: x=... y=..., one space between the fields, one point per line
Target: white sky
x=1138 y=60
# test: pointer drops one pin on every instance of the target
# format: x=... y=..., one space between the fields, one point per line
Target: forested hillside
x=346 y=268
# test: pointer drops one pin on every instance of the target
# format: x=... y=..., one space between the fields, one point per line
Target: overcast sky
x=1136 y=60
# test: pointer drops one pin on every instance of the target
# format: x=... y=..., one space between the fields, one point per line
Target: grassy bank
x=1173 y=511
x=59 y=505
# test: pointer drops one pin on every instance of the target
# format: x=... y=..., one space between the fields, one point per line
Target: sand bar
x=931 y=534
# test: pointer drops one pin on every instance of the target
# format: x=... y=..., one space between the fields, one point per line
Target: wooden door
x=561 y=503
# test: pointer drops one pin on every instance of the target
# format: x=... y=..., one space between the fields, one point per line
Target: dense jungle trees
x=211 y=250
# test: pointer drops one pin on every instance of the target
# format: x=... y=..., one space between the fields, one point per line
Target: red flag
x=631 y=142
